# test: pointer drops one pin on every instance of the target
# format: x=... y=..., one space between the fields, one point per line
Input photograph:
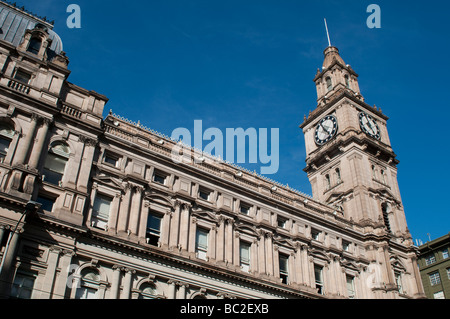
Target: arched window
x=6 y=136
x=347 y=81
x=34 y=45
x=89 y=284
x=148 y=291
x=55 y=164
x=329 y=84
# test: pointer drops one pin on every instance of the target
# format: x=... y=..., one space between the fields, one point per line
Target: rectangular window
x=345 y=246
x=160 y=178
x=46 y=202
x=351 y=287
x=315 y=234
x=202 y=243
x=284 y=269
x=204 y=194
x=22 y=287
x=245 y=256
x=22 y=76
x=154 y=229
x=318 y=274
x=282 y=223
x=54 y=169
x=111 y=159
x=445 y=254
x=430 y=259
x=245 y=209
x=435 y=279
x=101 y=211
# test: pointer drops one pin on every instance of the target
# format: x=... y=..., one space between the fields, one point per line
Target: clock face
x=326 y=130
x=369 y=125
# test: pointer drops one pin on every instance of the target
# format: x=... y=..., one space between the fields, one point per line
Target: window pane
x=34 y=45
x=22 y=287
x=4 y=146
x=47 y=203
x=202 y=239
x=22 y=76
x=61 y=150
x=154 y=223
x=102 y=206
x=55 y=163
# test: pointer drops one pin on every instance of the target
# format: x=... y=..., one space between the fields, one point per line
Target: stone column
x=135 y=210
x=86 y=164
x=127 y=283
x=52 y=263
x=165 y=231
x=182 y=290
x=175 y=226
x=237 y=249
x=192 y=234
x=184 y=227
x=211 y=253
x=114 y=213
x=220 y=239
x=298 y=266
x=254 y=257
x=39 y=146
x=143 y=220
x=172 y=289
x=114 y=294
x=24 y=149
x=6 y=274
x=262 y=253
x=229 y=241
x=269 y=254
x=124 y=210
x=62 y=281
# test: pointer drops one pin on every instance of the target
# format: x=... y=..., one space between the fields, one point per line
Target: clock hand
x=323 y=128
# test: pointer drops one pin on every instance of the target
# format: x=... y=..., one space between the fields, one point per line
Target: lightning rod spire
x=328 y=33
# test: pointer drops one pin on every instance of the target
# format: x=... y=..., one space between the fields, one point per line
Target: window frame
x=435 y=278
x=52 y=172
x=204 y=191
x=153 y=235
x=201 y=251
x=21 y=287
x=284 y=273
x=33 y=49
x=20 y=74
x=99 y=218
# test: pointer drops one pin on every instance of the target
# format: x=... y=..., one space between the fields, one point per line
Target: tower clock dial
x=326 y=130
x=369 y=125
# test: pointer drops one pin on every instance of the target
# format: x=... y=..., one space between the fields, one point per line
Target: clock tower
x=350 y=161
x=352 y=167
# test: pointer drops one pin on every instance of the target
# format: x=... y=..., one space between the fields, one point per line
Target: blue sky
x=251 y=64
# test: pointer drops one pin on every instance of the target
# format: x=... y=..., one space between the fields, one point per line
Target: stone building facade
x=94 y=207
